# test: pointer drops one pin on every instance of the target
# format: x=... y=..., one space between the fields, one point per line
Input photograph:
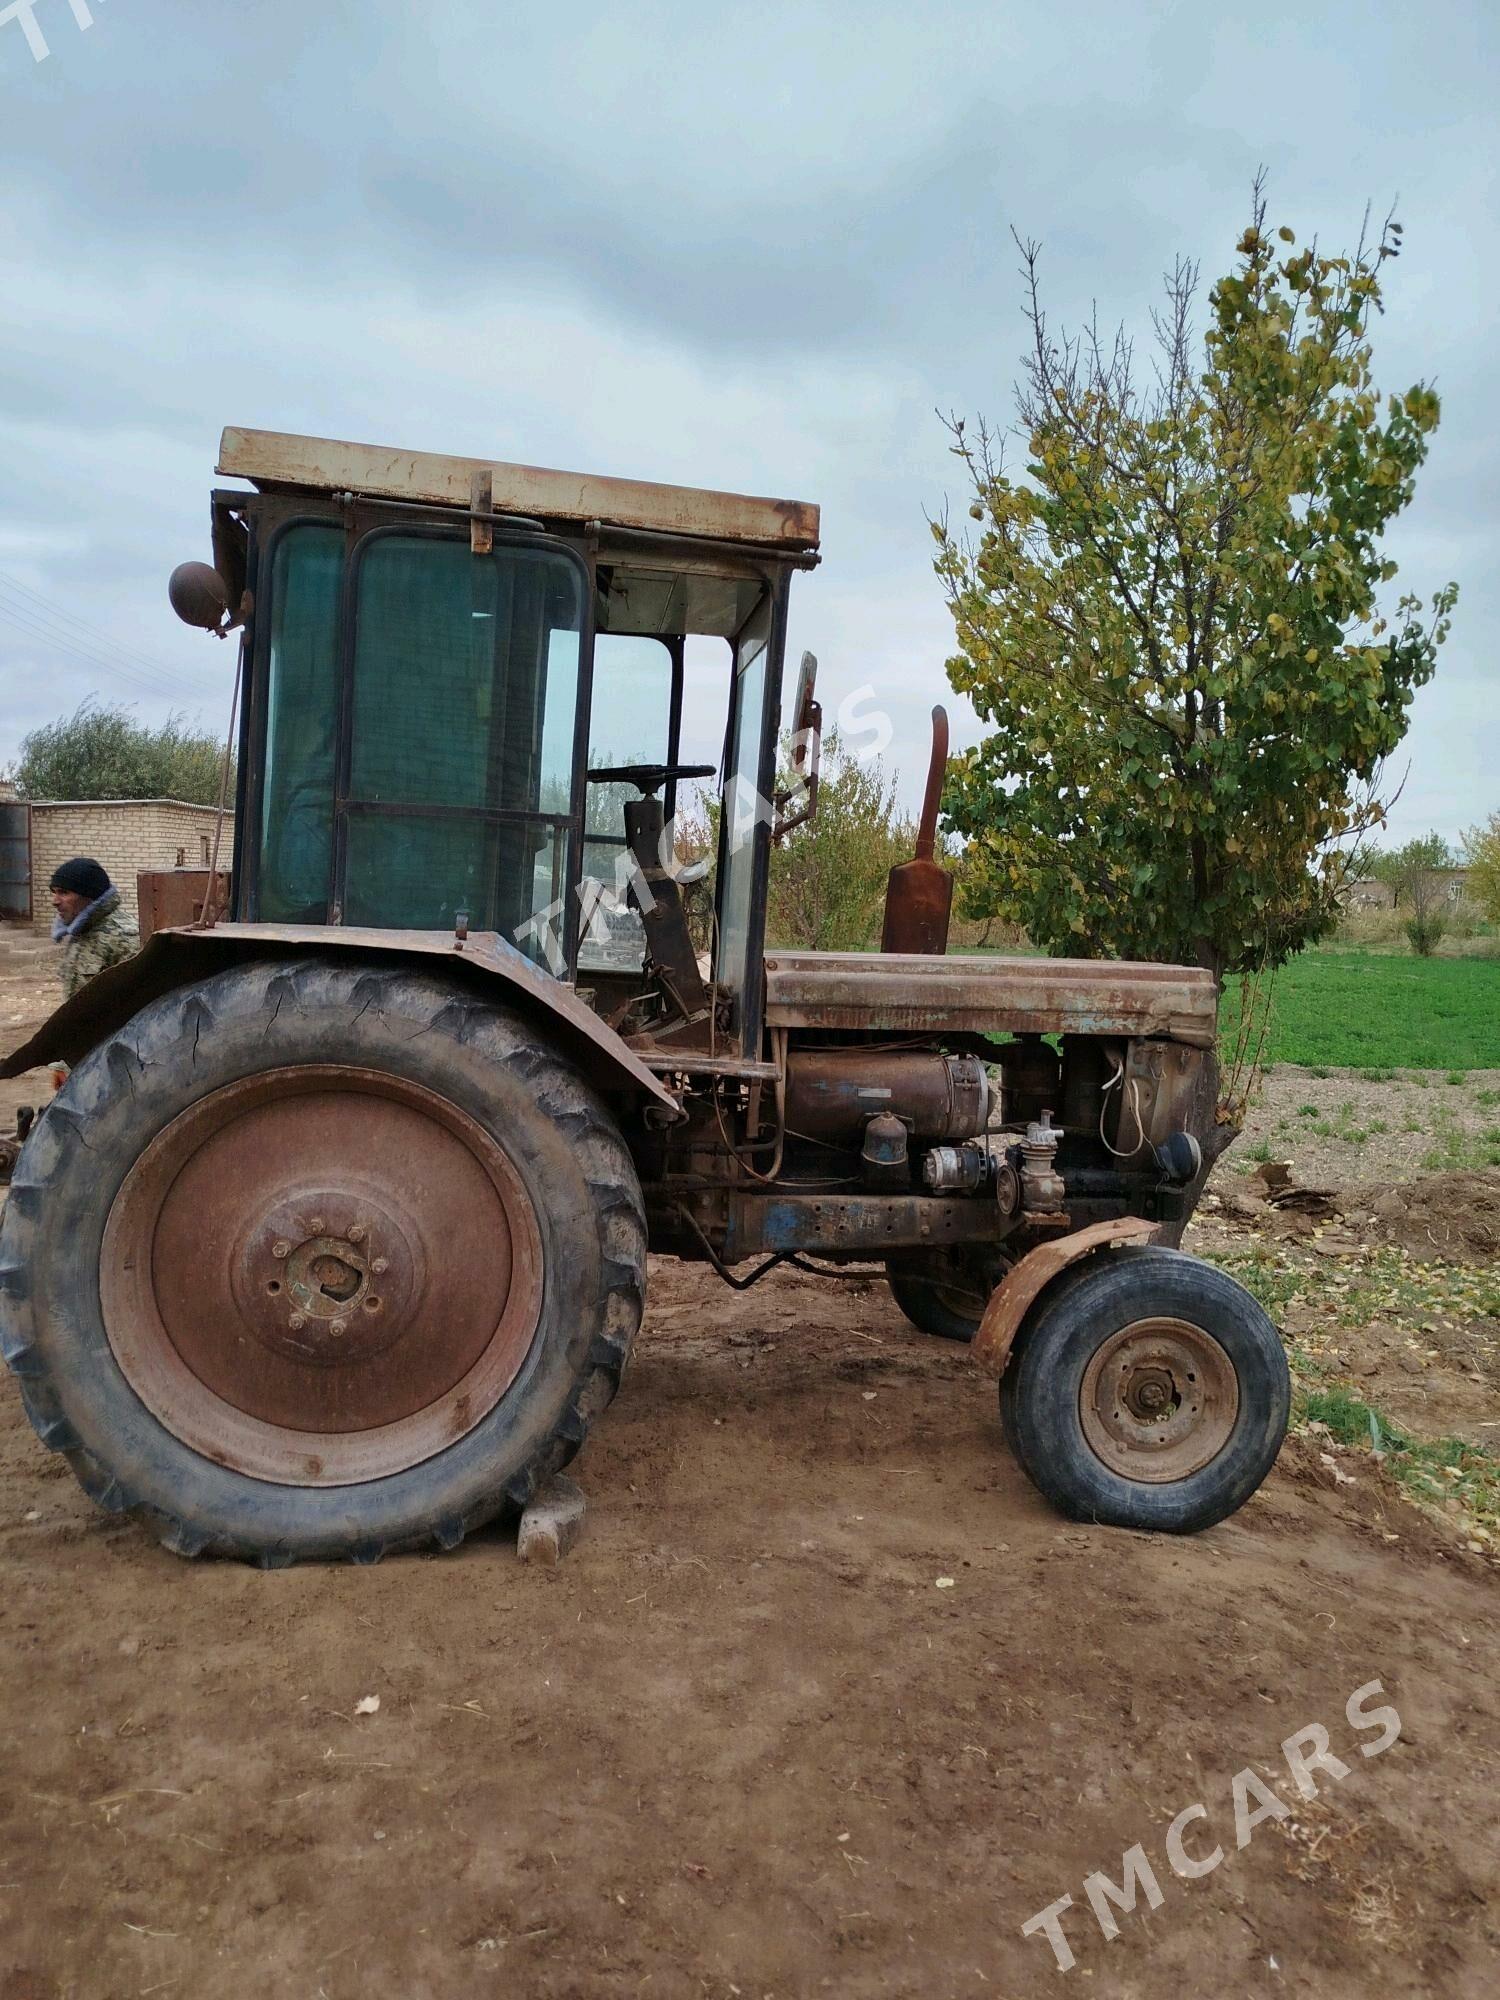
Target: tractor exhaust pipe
x=919 y=894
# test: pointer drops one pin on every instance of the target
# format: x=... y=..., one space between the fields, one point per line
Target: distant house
x=1370 y=894
x=126 y=835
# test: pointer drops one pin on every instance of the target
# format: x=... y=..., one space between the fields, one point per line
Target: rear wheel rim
x=1159 y=1400
x=321 y=1275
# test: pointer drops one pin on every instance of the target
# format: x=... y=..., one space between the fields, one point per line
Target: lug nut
x=379 y=1264
x=340 y=1326
x=281 y=1249
x=356 y=1234
x=296 y=1322
x=316 y=1225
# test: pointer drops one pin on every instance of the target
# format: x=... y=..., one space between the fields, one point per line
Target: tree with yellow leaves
x=1482 y=858
x=1172 y=621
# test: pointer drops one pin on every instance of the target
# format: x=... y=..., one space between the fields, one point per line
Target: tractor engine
x=1036 y=1128
x=834 y=1093
x=884 y=1101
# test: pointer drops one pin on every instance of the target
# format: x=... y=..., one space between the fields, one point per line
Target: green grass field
x=1356 y=1010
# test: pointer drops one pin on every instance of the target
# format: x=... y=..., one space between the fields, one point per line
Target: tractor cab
x=464 y=693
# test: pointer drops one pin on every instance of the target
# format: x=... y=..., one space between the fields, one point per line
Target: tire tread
x=567 y=1099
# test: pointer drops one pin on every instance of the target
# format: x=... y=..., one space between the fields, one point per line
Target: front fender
x=1024 y=1283
x=483 y=961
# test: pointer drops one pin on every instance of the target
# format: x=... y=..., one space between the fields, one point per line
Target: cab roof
x=278 y=460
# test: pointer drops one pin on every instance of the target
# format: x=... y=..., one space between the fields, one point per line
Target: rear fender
x=483 y=962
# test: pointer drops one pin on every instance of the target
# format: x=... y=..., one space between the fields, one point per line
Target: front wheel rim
x=321 y=1275
x=1159 y=1400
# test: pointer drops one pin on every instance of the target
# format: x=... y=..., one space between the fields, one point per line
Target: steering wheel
x=647 y=778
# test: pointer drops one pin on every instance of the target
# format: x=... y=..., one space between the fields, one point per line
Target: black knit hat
x=80 y=877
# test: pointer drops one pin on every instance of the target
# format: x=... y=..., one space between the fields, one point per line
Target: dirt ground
x=1339 y=1127
x=825 y=1702
x=1394 y=1292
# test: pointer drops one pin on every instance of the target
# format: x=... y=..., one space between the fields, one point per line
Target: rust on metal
x=1013 y=1298
x=1158 y=1400
x=481 y=507
x=321 y=1275
x=199 y=596
x=851 y=1225
x=919 y=893
x=330 y=465
x=173 y=898
x=1043 y=1192
x=807 y=754
x=655 y=891
x=667 y=1060
x=1159 y=1093
x=174 y=957
x=832 y=1092
x=908 y=994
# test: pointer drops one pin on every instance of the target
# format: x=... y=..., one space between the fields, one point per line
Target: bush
x=101 y=753
x=1424 y=932
x=1482 y=853
x=828 y=878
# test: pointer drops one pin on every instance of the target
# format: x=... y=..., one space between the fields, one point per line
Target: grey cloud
x=776 y=234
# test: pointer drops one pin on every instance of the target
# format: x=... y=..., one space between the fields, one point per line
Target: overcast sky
x=750 y=247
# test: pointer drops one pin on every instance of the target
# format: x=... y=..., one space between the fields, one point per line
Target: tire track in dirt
x=741 y=1739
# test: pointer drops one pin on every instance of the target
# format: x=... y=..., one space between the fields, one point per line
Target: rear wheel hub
x=321 y=1275
x=342 y=1294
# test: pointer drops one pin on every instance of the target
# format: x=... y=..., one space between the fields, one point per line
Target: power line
x=93 y=634
x=114 y=671
x=114 y=668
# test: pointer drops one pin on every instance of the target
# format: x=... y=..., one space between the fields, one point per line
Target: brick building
x=125 y=835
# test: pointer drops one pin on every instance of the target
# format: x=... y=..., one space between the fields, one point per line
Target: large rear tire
x=318 y=1261
x=1147 y=1390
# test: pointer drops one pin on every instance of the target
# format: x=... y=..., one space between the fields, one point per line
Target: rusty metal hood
x=1069 y=996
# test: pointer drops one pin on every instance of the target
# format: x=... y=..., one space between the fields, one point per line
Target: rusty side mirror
x=807 y=751
x=200 y=596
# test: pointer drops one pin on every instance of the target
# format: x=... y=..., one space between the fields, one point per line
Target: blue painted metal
x=854 y=1225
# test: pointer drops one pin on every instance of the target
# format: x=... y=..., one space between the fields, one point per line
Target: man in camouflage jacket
x=90 y=925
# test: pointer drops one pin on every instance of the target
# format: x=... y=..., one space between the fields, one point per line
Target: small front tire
x=1151 y=1391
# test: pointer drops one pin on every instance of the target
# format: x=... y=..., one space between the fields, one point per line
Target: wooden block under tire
x=551 y=1523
